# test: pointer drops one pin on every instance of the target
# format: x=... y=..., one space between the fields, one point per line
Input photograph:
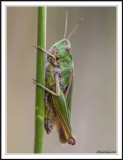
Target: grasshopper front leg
x=48 y=90
x=48 y=53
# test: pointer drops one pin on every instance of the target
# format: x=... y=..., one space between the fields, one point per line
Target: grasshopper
x=58 y=87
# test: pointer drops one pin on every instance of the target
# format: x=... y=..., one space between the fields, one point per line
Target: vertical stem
x=40 y=78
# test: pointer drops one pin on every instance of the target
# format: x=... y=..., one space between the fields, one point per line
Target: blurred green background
x=94 y=96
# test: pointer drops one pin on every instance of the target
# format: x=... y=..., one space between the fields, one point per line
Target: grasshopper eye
x=68 y=47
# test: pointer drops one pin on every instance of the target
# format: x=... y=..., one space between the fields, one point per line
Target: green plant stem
x=40 y=78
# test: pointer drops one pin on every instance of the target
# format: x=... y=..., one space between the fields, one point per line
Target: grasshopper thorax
x=61 y=48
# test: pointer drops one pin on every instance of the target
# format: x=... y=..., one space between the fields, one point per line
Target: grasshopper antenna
x=74 y=29
x=66 y=24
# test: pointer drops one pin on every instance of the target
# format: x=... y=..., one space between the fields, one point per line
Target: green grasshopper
x=58 y=88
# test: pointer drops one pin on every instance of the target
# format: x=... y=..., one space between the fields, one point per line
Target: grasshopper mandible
x=58 y=87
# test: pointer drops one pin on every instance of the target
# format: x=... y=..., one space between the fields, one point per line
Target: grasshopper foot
x=36 y=47
x=34 y=81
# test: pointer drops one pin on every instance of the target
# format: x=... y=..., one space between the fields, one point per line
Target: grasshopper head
x=61 y=49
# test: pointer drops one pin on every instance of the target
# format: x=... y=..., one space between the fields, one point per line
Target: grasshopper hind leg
x=61 y=132
x=52 y=119
x=63 y=136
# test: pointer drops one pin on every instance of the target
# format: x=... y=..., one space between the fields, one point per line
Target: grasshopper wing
x=69 y=99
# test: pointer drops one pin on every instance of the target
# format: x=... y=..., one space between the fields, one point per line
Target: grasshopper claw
x=34 y=81
x=36 y=47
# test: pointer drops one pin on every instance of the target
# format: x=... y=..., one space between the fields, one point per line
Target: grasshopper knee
x=72 y=141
